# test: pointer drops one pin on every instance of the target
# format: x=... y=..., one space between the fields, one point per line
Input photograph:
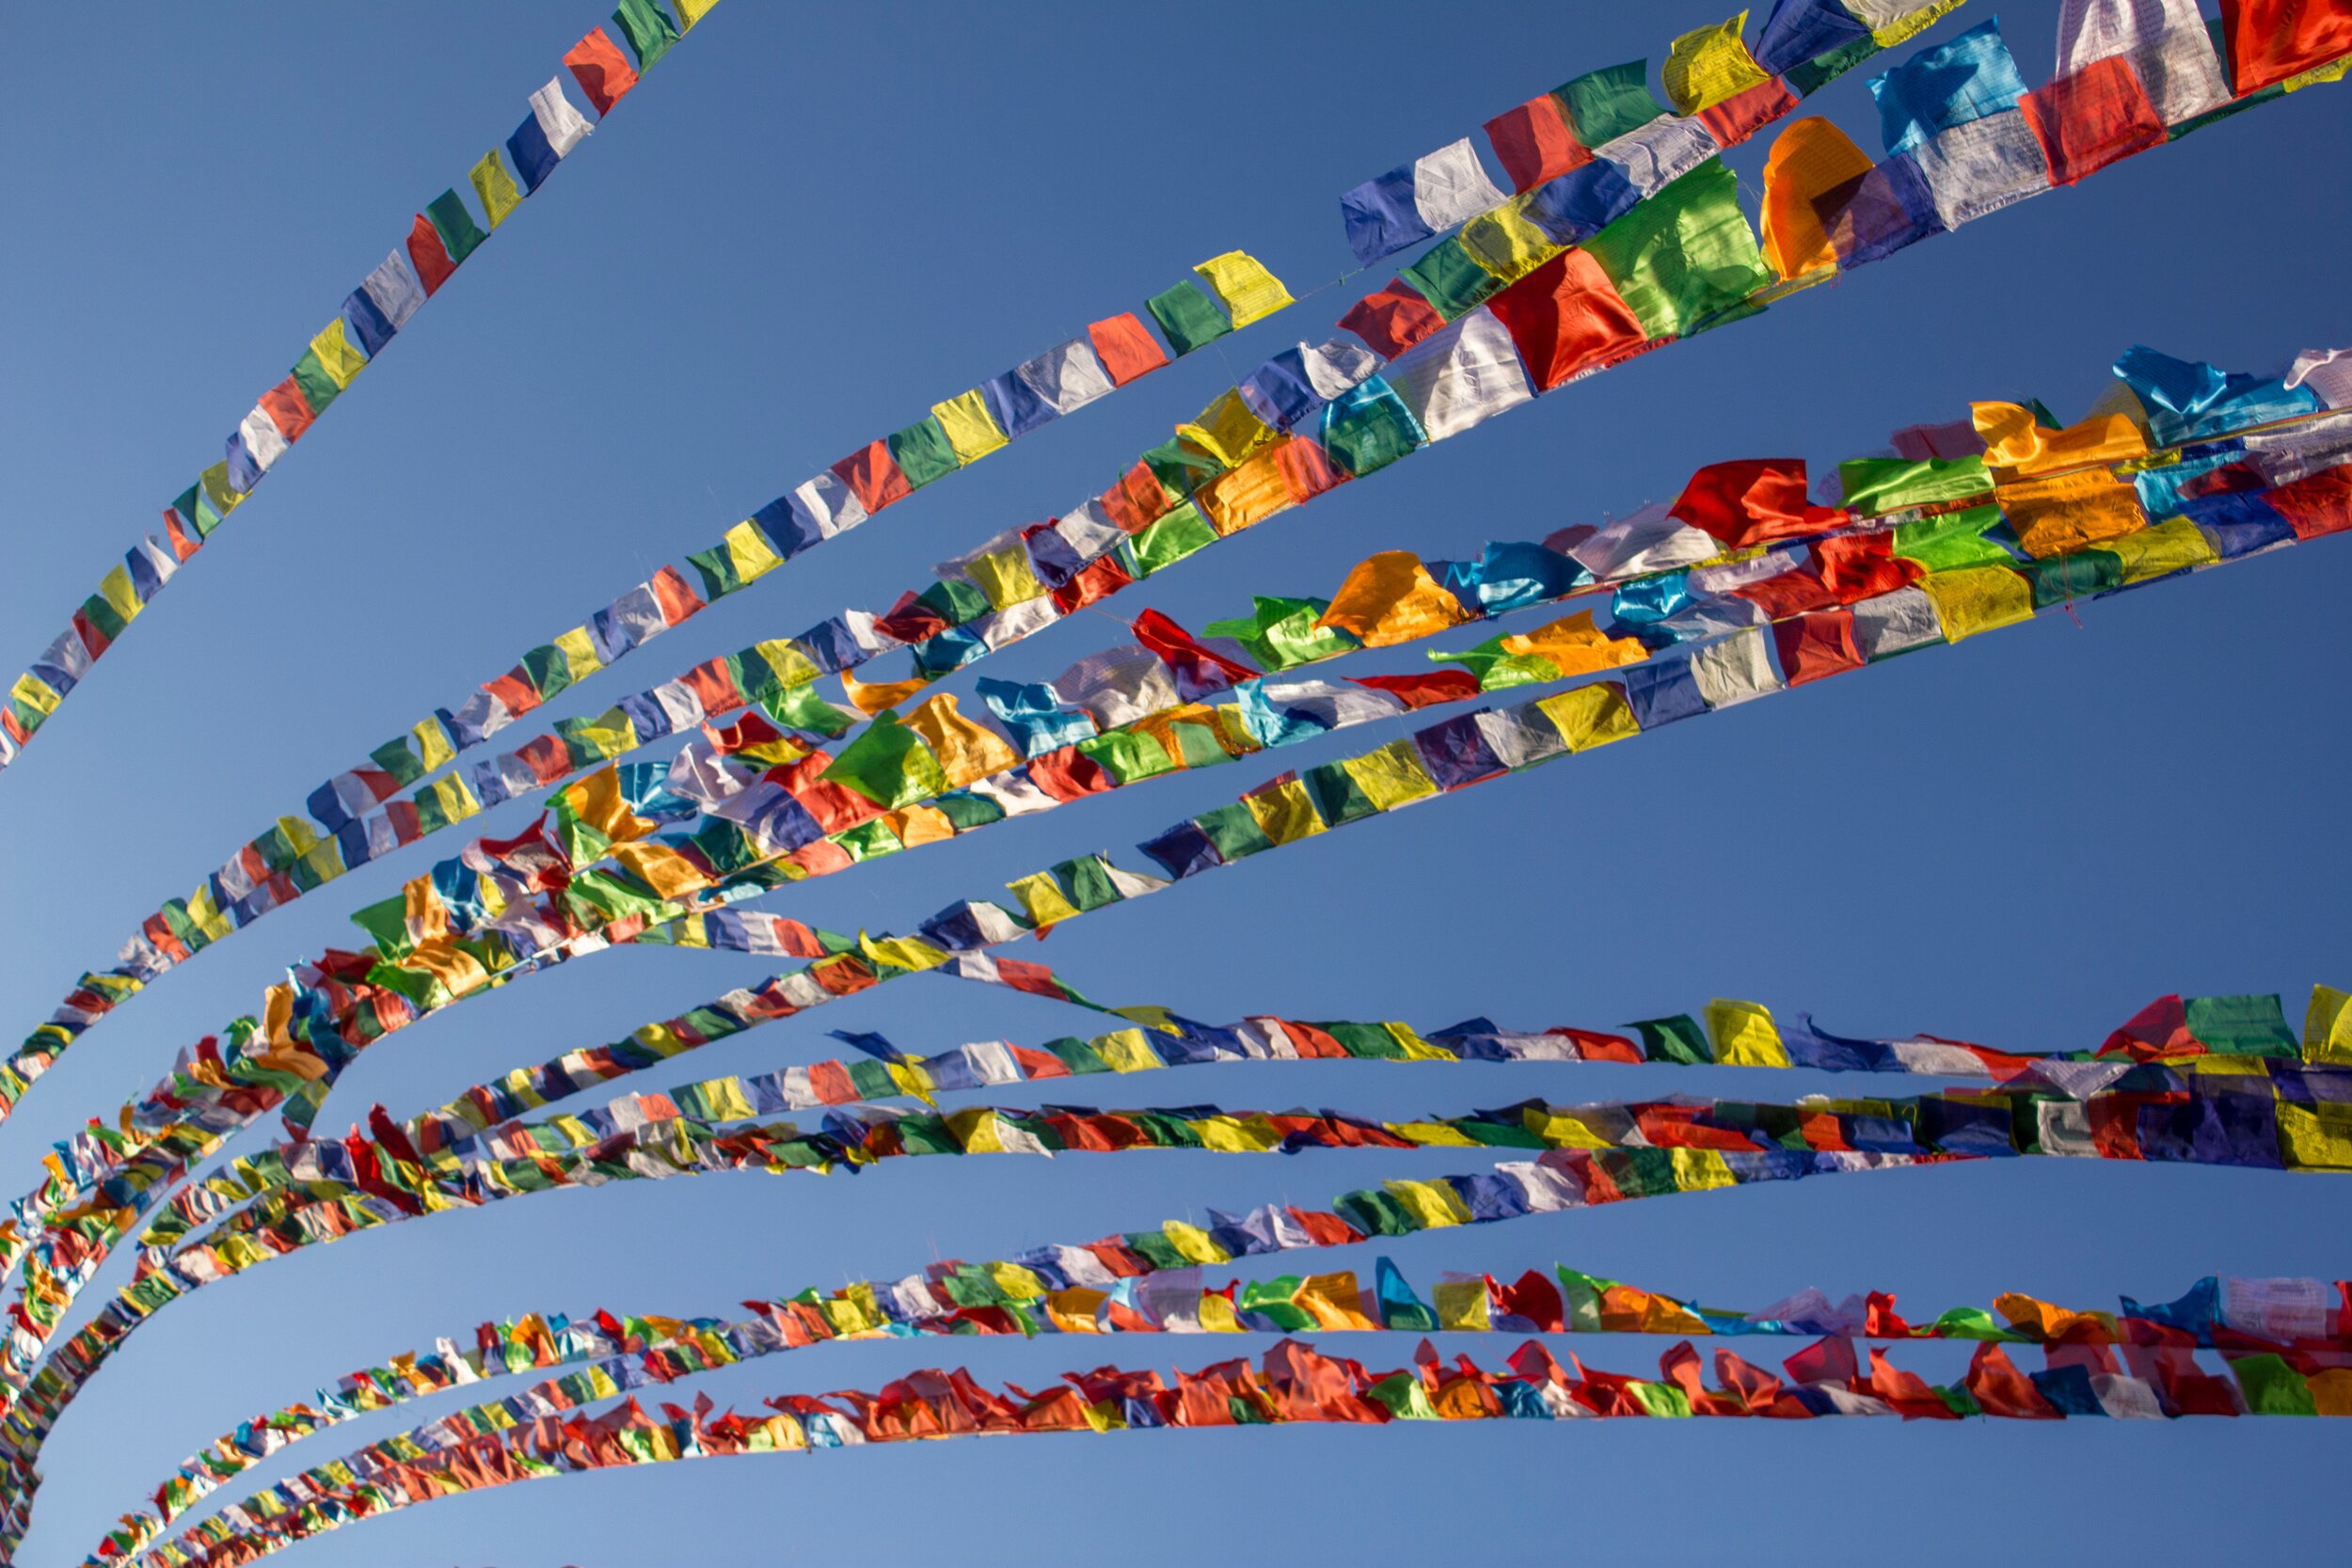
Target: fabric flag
x=1393 y=319
x=1750 y=500
x=1605 y=104
x=1655 y=155
x=648 y=29
x=1188 y=317
x=2091 y=117
x=1983 y=166
x=2328 y=372
x=1461 y=377
x=1391 y=597
x=1801 y=31
x=256 y=445
x=1248 y=291
x=1565 y=318
x=1952 y=84
x=544 y=139
x=460 y=235
x=385 y=301
x=1808 y=162
x=1410 y=204
x=428 y=256
x=2270 y=40
x=1536 y=142
x=495 y=187
x=1869 y=218
x=1128 y=351
x=596 y=64
x=1708 y=66
x=2165 y=42
x=327 y=366
x=1686 y=255
x=1734 y=671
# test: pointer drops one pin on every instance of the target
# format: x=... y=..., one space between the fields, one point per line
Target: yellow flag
x=1250 y=293
x=901 y=952
x=1284 y=813
x=580 y=653
x=749 y=552
x=2316 y=1137
x=1226 y=430
x=1196 y=1245
x=2327 y=1026
x=1705 y=67
x=1698 y=1169
x=670 y=874
x=338 y=355
x=1590 y=716
x=1433 y=1203
x=1744 y=1034
x=1391 y=776
x=432 y=745
x=1005 y=576
x=971 y=428
x=1505 y=242
x=1127 y=1051
x=1042 y=899
x=496 y=187
x=1462 y=1304
x=1978 y=598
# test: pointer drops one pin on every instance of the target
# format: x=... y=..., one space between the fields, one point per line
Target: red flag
x=1199 y=671
x=603 y=72
x=1752 y=499
x=428 y=254
x=1996 y=1383
x=2270 y=40
x=1424 y=690
x=1393 y=319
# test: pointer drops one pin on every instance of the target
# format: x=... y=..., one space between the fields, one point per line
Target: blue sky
x=812 y=223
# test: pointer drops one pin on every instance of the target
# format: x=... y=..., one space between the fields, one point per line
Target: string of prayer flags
x=492 y=1446
x=439 y=240
x=2241 y=1035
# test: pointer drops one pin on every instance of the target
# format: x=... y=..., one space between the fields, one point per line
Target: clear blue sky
x=812 y=223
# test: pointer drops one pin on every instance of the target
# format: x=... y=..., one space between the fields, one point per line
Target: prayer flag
x=2269 y=41
x=596 y=64
x=1424 y=197
x=1709 y=65
x=648 y=30
x=1809 y=161
x=495 y=187
x=542 y=141
x=1968 y=77
x=1535 y=143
